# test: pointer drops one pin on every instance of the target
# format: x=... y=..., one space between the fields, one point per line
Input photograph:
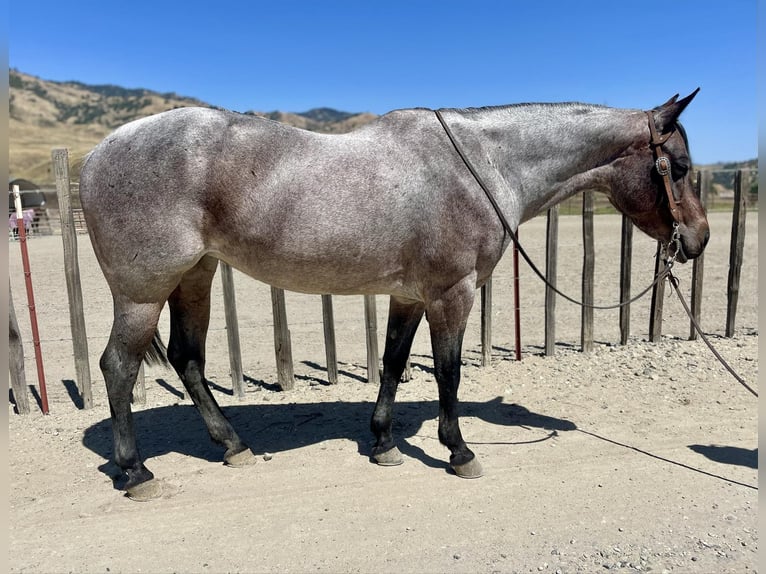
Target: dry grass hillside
x=46 y=114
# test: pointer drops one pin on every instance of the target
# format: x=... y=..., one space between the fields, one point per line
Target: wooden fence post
x=16 y=360
x=72 y=271
x=282 y=345
x=371 y=322
x=736 y=249
x=658 y=296
x=698 y=266
x=626 y=264
x=486 y=323
x=328 y=322
x=551 y=260
x=588 y=266
x=232 y=330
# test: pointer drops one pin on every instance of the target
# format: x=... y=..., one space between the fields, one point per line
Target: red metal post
x=31 y=300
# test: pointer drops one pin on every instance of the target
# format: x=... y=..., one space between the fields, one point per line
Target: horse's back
x=287 y=206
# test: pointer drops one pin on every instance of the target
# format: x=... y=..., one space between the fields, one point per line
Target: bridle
x=662 y=164
x=663 y=167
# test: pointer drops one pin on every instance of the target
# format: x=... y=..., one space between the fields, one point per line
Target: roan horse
x=388 y=209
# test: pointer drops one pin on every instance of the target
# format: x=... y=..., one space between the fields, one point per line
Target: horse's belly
x=326 y=273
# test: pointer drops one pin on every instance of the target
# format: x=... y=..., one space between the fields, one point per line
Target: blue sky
x=374 y=56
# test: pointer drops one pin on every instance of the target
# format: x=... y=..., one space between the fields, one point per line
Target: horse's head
x=654 y=186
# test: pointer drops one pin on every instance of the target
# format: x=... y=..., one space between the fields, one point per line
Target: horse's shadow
x=728 y=454
x=282 y=427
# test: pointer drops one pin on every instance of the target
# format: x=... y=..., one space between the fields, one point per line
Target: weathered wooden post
x=371 y=322
x=626 y=264
x=551 y=261
x=60 y=158
x=232 y=330
x=16 y=360
x=658 y=296
x=328 y=322
x=736 y=249
x=282 y=345
x=588 y=266
x=698 y=266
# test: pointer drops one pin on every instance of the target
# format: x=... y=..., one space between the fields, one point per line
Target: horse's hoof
x=145 y=491
x=240 y=459
x=471 y=469
x=391 y=457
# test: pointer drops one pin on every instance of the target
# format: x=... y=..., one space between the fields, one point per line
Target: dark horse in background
x=388 y=209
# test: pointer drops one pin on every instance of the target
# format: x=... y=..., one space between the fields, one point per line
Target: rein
x=662 y=163
x=660 y=275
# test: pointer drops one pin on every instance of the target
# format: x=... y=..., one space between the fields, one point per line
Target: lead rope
x=665 y=272
x=674 y=282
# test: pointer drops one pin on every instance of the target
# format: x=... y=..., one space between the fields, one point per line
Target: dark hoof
x=471 y=469
x=240 y=459
x=145 y=491
x=391 y=457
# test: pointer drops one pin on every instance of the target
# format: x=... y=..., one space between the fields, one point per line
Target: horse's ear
x=667 y=114
x=670 y=101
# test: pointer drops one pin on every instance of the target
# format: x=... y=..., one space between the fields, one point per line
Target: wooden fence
x=282 y=339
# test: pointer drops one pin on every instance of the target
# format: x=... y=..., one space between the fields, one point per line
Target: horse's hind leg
x=403 y=320
x=189 y=318
x=132 y=332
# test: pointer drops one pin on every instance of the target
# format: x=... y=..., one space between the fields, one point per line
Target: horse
x=391 y=208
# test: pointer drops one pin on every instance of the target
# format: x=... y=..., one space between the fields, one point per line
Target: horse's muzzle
x=692 y=247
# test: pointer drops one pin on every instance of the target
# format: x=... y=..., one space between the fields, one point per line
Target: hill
x=46 y=114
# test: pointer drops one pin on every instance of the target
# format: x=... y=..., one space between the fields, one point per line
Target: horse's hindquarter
x=374 y=211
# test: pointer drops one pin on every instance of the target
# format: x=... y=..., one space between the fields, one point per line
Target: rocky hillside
x=46 y=114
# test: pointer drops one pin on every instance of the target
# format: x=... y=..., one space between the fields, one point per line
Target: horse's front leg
x=447 y=318
x=189 y=319
x=403 y=320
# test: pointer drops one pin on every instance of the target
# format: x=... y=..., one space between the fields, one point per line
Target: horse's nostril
x=706 y=238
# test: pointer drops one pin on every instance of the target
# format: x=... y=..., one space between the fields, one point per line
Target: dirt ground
x=640 y=457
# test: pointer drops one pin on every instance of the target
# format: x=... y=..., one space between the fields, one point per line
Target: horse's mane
x=563 y=105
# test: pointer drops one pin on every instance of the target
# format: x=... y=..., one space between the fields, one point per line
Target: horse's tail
x=157 y=354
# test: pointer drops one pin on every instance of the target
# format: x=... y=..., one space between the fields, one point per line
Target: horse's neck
x=543 y=154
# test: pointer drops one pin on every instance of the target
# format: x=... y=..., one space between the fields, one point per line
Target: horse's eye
x=680 y=170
